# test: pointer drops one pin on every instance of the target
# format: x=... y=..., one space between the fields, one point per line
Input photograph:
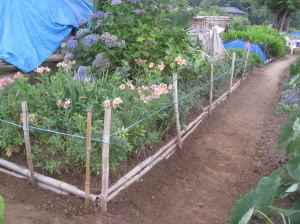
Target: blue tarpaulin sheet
x=297 y=34
x=32 y=30
x=253 y=48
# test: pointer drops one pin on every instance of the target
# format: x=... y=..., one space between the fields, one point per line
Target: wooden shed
x=208 y=22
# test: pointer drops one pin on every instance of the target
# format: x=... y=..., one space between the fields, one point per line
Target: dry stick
x=211 y=86
x=27 y=142
x=46 y=180
x=246 y=62
x=176 y=112
x=88 y=157
x=105 y=159
x=232 y=73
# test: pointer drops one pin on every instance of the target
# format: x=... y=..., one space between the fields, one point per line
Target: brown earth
x=222 y=160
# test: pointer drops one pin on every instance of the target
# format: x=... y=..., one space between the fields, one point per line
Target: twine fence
x=108 y=193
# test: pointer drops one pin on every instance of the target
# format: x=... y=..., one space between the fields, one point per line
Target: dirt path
x=222 y=160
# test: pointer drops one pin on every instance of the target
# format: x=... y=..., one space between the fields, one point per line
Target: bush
x=261 y=35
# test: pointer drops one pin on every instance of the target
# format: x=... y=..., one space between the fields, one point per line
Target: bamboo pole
x=27 y=142
x=46 y=180
x=142 y=172
x=246 y=63
x=105 y=159
x=88 y=157
x=211 y=86
x=176 y=111
x=232 y=73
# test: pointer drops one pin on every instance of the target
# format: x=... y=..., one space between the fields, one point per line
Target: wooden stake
x=211 y=87
x=246 y=63
x=88 y=157
x=232 y=73
x=27 y=142
x=105 y=159
x=176 y=111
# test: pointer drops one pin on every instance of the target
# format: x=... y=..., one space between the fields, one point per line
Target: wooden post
x=176 y=111
x=105 y=159
x=246 y=63
x=27 y=142
x=211 y=86
x=88 y=157
x=232 y=73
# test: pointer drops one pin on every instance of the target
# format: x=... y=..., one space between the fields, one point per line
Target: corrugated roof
x=233 y=10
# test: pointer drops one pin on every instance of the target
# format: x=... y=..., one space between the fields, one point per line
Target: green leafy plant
x=280 y=184
x=261 y=35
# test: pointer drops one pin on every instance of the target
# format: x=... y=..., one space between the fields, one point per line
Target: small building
x=234 y=11
x=208 y=22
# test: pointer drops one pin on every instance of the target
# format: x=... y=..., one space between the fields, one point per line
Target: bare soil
x=222 y=160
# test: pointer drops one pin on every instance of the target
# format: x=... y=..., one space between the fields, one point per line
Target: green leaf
x=289 y=132
x=265 y=193
x=242 y=209
x=285 y=212
x=291 y=189
x=140 y=39
x=294 y=218
x=292 y=167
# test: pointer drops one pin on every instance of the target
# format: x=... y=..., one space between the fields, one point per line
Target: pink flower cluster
x=180 y=61
x=115 y=103
x=42 y=69
x=6 y=80
x=65 y=104
x=66 y=65
x=140 y=60
x=154 y=92
x=128 y=85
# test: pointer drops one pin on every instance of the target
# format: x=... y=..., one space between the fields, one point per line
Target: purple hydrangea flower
x=109 y=40
x=68 y=56
x=81 y=32
x=81 y=73
x=89 y=40
x=81 y=22
x=139 y=11
x=134 y=1
x=108 y=14
x=100 y=23
x=72 y=43
x=101 y=61
x=116 y=2
x=97 y=15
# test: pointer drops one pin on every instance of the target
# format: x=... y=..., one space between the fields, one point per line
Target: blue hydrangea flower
x=134 y=1
x=81 y=22
x=89 y=40
x=81 y=73
x=116 y=2
x=72 y=44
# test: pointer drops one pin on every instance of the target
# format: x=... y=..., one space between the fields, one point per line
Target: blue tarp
x=32 y=30
x=297 y=34
x=253 y=48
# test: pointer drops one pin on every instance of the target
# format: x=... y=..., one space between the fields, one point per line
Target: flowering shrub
x=130 y=30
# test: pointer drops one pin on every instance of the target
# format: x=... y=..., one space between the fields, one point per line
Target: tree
x=281 y=10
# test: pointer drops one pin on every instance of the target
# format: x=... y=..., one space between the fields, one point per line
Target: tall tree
x=281 y=10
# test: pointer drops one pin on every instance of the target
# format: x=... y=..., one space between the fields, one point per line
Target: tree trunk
x=281 y=20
